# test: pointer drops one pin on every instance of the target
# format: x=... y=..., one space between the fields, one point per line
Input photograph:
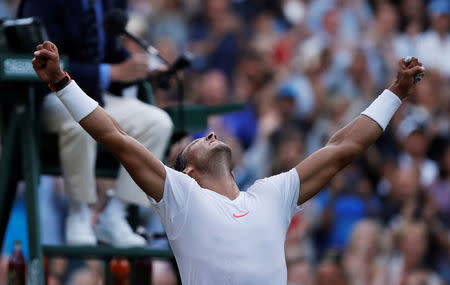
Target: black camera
x=21 y=35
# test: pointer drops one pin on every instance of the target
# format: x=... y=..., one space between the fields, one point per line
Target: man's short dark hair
x=180 y=161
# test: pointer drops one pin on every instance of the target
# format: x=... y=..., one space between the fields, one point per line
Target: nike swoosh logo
x=240 y=216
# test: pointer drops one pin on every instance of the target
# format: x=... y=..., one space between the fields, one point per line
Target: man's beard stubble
x=221 y=154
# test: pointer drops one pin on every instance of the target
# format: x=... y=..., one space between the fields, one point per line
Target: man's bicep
x=316 y=171
x=145 y=169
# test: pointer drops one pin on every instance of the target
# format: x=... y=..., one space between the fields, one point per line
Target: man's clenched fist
x=46 y=63
x=407 y=71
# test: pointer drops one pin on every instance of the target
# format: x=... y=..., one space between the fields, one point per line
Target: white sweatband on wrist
x=76 y=101
x=383 y=108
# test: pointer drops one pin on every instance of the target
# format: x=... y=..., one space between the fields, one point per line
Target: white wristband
x=76 y=101
x=383 y=108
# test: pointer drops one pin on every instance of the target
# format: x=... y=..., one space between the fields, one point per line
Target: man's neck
x=221 y=182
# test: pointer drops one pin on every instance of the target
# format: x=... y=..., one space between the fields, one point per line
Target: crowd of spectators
x=304 y=69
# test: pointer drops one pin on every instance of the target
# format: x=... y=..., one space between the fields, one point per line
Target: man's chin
x=221 y=152
x=220 y=146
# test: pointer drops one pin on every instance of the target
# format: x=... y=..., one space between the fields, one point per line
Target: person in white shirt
x=433 y=47
x=220 y=235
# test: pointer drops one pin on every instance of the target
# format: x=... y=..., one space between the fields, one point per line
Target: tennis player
x=220 y=235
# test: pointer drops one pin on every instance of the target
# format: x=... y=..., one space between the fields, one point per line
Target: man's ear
x=188 y=170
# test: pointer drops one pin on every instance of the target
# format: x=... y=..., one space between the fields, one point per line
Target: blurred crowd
x=304 y=69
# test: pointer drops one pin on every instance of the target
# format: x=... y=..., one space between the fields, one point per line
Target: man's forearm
x=352 y=140
x=105 y=130
x=145 y=169
x=345 y=146
x=357 y=136
x=101 y=126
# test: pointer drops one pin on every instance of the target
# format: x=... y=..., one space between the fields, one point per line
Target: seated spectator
x=414 y=139
x=170 y=23
x=407 y=200
x=299 y=88
x=214 y=37
x=380 y=39
x=412 y=22
x=329 y=272
x=363 y=253
x=252 y=76
x=288 y=148
x=435 y=43
x=422 y=276
x=440 y=188
x=300 y=272
x=343 y=206
x=213 y=89
x=413 y=246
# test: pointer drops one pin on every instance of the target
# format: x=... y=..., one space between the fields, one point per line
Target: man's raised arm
x=145 y=169
x=351 y=141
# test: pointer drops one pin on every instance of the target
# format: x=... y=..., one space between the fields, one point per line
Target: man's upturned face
x=201 y=152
